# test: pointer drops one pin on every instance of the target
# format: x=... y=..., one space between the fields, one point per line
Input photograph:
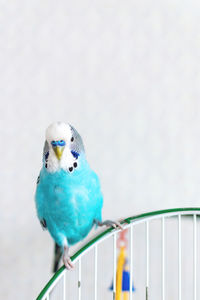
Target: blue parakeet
x=68 y=196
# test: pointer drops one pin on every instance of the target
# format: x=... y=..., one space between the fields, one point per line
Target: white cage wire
x=162 y=254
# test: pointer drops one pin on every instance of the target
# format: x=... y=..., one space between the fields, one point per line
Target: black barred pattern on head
x=77 y=143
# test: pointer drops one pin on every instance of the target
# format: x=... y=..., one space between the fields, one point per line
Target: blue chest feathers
x=69 y=203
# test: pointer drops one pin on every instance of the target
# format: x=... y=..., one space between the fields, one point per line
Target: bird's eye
x=72 y=139
x=61 y=143
x=53 y=143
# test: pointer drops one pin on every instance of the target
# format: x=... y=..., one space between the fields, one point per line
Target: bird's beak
x=58 y=151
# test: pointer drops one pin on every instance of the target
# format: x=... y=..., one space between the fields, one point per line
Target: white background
x=126 y=75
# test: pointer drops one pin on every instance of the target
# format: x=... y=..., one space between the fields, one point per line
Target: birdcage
x=162 y=256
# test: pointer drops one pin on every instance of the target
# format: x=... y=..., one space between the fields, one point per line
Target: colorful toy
x=122 y=274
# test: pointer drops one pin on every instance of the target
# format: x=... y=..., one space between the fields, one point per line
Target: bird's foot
x=68 y=263
x=114 y=224
x=66 y=259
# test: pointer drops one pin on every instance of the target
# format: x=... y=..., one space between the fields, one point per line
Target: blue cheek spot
x=54 y=143
x=75 y=154
x=61 y=143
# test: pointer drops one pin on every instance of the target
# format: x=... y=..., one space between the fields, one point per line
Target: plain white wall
x=126 y=75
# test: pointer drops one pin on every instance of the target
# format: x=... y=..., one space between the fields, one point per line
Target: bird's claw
x=114 y=224
x=68 y=263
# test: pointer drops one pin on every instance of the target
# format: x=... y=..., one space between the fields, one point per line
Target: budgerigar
x=68 y=195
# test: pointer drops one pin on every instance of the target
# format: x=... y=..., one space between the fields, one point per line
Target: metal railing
x=146 y=218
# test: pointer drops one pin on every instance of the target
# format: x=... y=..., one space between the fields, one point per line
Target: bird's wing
x=78 y=142
x=45 y=152
x=43 y=224
x=39 y=200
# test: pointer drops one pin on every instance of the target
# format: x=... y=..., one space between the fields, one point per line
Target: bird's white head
x=62 y=147
x=58 y=135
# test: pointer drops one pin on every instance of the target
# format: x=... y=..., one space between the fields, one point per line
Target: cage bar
x=95 y=271
x=147 y=260
x=131 y=263
x=179 y=259
x=114 y=264
x=195 y=256
x=163 y=258
x=79 y=279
